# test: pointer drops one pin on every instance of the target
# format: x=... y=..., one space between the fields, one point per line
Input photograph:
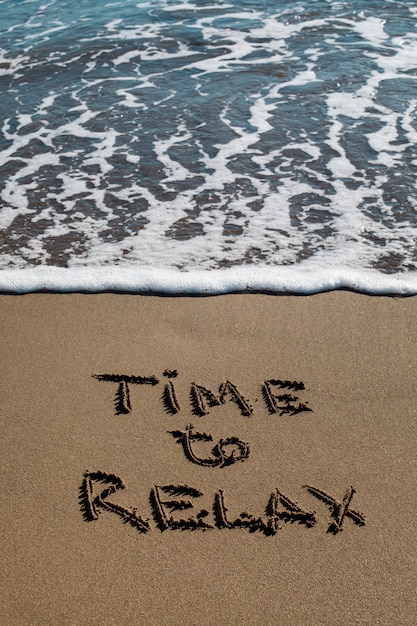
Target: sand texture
x=240 y=459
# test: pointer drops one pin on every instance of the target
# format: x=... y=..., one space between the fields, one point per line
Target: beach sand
x=289 y=515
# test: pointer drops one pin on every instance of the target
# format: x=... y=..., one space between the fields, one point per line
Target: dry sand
x=78 y=549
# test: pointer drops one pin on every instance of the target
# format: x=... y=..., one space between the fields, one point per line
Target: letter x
x=339 y=510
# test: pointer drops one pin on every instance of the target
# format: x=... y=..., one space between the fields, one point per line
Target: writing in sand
x=166 y=501
x=279 y=395
x=169 y=502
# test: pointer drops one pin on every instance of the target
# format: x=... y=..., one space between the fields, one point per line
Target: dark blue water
x=208 y=135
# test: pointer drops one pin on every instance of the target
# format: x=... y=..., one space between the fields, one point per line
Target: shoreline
x=308 y=278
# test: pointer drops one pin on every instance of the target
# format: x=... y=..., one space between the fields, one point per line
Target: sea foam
x=284 y=280
x=152 y=145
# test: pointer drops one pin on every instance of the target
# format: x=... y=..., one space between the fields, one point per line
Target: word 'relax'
x=167 y=502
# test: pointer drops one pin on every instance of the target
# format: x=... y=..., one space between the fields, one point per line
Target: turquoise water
x=167 y=139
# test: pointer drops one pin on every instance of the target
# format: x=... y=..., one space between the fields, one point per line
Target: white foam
x=295 y=280
x=254 y=179
x=174 y=170
x=372 y=29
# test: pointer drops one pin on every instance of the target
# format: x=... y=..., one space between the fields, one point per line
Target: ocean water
x=208 y=146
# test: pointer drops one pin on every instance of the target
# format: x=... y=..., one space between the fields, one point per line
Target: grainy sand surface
x=239 y=506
